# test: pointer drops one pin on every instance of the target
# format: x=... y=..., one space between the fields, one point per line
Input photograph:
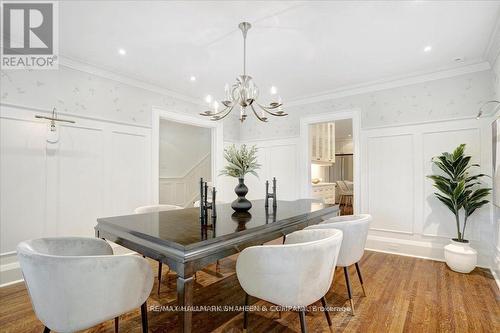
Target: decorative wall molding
x=70 y=115
x=493 y=48
x=429 y=231
x=391 y=83
x=125 y=79
x=98 y=168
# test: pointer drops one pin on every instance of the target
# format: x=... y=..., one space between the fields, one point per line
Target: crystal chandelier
x=244 y=93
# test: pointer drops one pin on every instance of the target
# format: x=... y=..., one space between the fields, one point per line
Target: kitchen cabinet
x=322 y=143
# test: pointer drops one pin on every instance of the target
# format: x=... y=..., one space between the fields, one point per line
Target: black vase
x=241 y=204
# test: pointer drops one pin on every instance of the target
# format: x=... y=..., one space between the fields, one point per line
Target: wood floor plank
x=404 y=294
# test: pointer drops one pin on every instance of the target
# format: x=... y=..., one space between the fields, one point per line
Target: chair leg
x=245 y=314
x=325 y=306
x=217 y=266
x=360 y=278
x=144 y=317
x=117 y=320
x=303 y=327
x=46 y=330
x=160 y=264
x=348 y=284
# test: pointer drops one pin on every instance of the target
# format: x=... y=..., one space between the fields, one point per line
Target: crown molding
x=493 y=48
x=391 y=83
x=125 y=79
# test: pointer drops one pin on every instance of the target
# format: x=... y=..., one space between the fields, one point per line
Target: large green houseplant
x=463 y=193
x=240 y=162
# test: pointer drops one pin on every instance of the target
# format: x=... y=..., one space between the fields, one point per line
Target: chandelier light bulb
x=244 y=94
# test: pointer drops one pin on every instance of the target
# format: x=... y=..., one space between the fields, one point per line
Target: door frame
x=305 y=160
x=217 y=143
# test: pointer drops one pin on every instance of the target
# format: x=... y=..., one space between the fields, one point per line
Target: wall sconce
x=53 y=133
x=480 y=113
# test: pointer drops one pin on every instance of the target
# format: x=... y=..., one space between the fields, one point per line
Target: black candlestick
x=271 y=195
x=205 y=205
x=202 y=205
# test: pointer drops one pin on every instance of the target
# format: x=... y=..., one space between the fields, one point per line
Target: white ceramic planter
x=460 y=257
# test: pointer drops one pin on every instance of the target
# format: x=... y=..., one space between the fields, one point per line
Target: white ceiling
x=304 y=48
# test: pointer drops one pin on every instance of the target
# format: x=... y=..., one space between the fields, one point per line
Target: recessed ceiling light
x=349 y=135
x=122 y=51
x=428 y=48
x=192 y=78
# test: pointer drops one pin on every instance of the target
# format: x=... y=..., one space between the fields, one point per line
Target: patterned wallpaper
x=433 y=100
x=77 y=92
x=81 y=93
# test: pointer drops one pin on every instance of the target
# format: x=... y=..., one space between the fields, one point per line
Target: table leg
x=185 y=299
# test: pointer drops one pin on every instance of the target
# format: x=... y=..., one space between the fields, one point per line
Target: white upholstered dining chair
x=355 y=229
x=156 y=209
x=295 y=274
x=76 y=282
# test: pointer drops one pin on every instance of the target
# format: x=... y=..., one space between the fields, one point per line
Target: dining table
x=179 y=239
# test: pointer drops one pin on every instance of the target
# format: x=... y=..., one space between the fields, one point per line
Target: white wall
x=448 y=98
x=102 y=165
x=184 y=159
x=182 y=146
x=407 y=218
x=402 y=128
x=98 y=168
x=496 y=210
x=95 y=93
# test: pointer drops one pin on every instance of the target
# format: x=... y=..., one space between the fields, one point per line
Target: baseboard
x=417 y=249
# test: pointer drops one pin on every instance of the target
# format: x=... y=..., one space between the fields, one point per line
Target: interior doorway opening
x=332 y=167
x=330 y=159
x=185 y=157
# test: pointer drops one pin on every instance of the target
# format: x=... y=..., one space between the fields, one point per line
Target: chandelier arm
x=270 y=107
x=211 y=114
x=272 y=113
x=264 y=120
x=223 y=116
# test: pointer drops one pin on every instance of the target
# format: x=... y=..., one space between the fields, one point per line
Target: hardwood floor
x=404 y=294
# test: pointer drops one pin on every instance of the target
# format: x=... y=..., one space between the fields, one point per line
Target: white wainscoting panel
x=434 y=143
x=279 y=158
x=97 y=169
x=23 y=183
x=390 y=182
x=407 y=218
x=130 y=178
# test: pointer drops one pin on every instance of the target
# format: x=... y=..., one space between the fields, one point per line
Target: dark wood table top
x=181 y=228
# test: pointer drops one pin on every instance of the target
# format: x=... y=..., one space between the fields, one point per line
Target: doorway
x=185 y=148
x=330 y=150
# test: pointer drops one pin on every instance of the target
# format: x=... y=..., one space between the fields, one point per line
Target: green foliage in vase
x=240 y=161
x=459 y=190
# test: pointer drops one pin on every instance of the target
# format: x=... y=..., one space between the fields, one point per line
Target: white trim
x=493 y=47
x=217 y=143
x=124 y=78
x=390 y=83
x=304 y=154
x=70 y=115
x=495 y=276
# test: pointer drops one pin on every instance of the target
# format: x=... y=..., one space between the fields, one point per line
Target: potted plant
x=239 y=163
x=463 y=194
